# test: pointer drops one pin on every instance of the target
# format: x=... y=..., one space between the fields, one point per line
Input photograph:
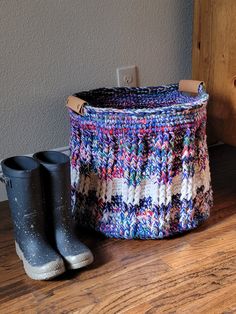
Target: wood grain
x=214 y=61
x=192 y=273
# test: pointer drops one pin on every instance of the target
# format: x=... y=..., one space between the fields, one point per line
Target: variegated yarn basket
x=139 y=160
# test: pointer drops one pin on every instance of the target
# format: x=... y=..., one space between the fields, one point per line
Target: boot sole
x=80 y=264
x=37 y=273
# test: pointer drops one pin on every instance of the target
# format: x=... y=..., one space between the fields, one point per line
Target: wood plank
x=218 y=302
x=214 y=61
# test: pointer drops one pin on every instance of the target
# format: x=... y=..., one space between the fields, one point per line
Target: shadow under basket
x=139 y=160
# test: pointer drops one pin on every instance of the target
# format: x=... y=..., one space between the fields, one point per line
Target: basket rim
x=194 y=102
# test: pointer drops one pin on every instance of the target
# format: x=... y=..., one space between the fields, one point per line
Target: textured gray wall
x=52 y=48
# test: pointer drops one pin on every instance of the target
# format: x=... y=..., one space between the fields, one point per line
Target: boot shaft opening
x=19 y=166
x=52 y=160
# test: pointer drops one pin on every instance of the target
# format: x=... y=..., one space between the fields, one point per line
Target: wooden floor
x=193 y=273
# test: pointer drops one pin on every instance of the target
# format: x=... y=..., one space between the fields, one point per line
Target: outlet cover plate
x=127 y=76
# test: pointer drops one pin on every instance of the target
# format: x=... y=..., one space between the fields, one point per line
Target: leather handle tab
x=190 y=86
x=76 y=104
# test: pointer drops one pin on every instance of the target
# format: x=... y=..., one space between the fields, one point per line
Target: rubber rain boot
x=56 y=182
x=22 y=178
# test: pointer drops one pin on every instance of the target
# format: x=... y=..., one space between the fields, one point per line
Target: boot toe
x=46 y=271
x=80 y=260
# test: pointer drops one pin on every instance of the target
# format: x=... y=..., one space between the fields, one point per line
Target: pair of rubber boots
x=38 y=191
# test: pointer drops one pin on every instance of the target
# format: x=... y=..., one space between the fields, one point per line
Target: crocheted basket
x=139 y=160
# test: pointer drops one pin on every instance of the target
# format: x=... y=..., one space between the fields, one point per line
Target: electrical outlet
x=127 y=76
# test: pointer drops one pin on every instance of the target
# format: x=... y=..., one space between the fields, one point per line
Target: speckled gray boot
x=22 y=178
x=56 y=186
